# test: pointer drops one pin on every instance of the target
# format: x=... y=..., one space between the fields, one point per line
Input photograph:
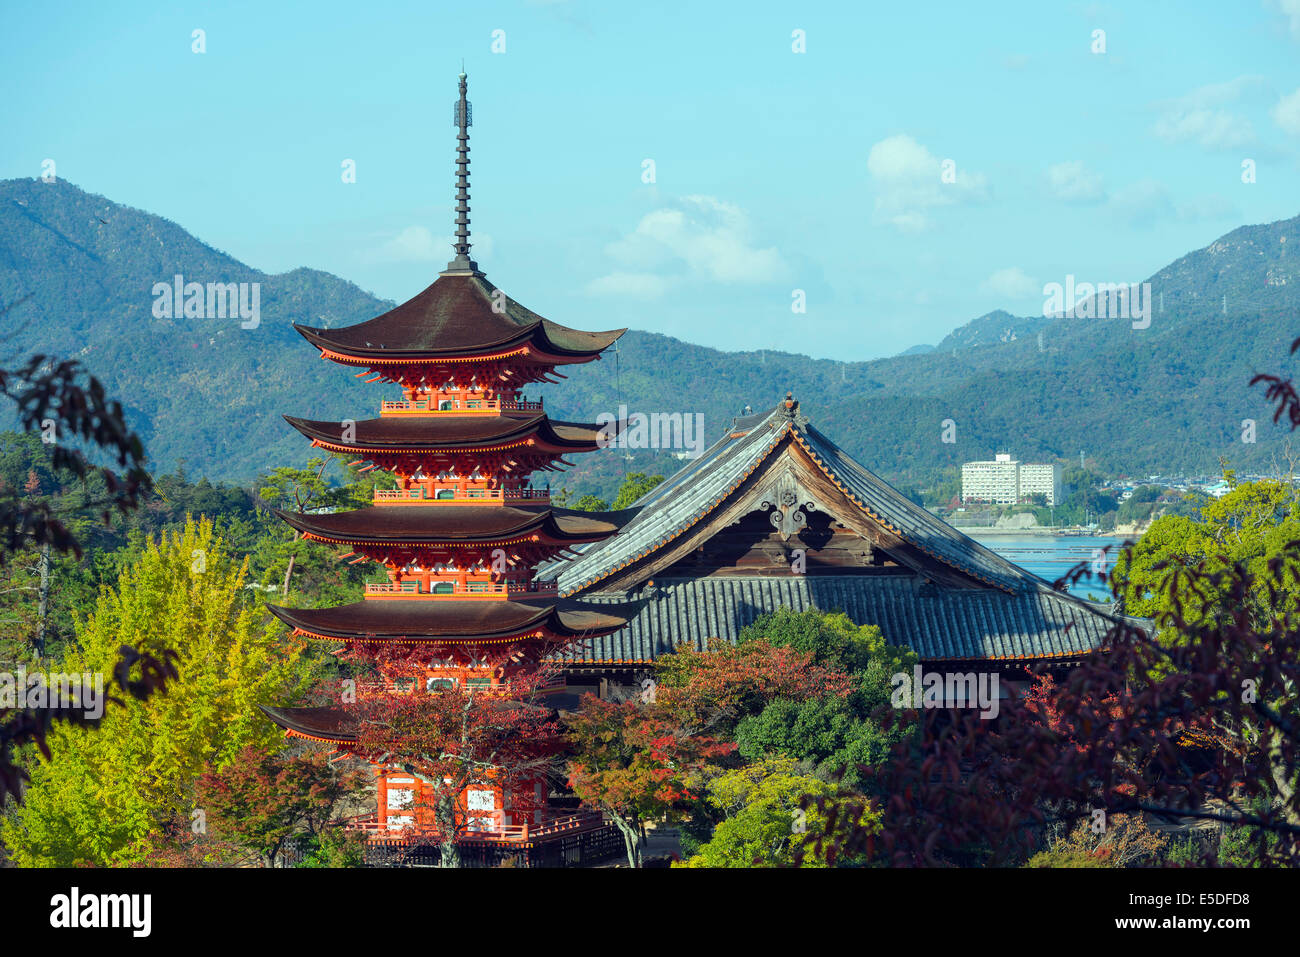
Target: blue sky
x=774 y=170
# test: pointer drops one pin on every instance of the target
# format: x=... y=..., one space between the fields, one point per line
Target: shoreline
x=1039 y=532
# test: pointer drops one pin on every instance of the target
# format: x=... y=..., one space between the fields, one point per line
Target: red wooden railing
x=570 y=823
x=458 y=405
x=461 y=495
x=411 y=587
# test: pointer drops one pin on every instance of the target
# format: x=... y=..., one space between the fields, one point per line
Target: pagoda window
x=399 y=799
x=478 y=684
x=443 y=588
x=485 y=804
x=444 y=405
x=445 y=493
x=439 y=684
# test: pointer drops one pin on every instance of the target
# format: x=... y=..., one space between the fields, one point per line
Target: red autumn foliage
x=637 y=763
x=713 y=689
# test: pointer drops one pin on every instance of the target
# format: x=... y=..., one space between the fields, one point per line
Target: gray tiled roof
x=936 y=623
x=679 y=502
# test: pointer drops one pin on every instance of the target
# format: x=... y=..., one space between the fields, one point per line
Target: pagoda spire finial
x=462 y=264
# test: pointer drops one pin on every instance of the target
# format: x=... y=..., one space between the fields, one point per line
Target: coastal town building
x=1040 y=479
x=1006 y=481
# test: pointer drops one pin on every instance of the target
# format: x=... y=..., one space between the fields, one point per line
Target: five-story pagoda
x=462 y=532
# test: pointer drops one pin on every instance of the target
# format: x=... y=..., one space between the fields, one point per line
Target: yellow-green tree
x=769 y=815
x=104 y=798
x=1252 y=524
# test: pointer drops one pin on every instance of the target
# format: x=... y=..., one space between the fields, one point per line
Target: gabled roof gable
x=750 y=453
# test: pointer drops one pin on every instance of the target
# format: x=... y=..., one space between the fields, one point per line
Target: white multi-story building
x=1005 y=481
x=996 y=482
x=1040 y=479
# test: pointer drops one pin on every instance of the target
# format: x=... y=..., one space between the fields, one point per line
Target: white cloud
x=710 y=238
x=416 y=244
x=1213 y=129
x=1012 y=283
x=1287 y=112
x=1291 y=10
x=634 y=285
x=1073 y=182
x=1200 y=116
x=909 y=182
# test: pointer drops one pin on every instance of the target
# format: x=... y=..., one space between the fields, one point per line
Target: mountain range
x=78 y=274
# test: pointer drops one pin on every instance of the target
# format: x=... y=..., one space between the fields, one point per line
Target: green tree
x=767 y=816
x=295 y=488
x=108 y=793
x=836 y=733
x=635 y=487
x=1252 y=524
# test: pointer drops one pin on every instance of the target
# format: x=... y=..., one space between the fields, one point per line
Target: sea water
x=1052 y=557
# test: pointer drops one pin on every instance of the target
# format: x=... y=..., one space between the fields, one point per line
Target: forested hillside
x=76 y=274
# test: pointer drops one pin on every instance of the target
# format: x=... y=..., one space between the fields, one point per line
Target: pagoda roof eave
x=456 y=433
x=335 y=725
x=432 y=525
x=536 y=348
x=458 y=317
x=329 y=724
x=451 y=621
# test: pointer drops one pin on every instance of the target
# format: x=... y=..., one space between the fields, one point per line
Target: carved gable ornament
x=788 y=502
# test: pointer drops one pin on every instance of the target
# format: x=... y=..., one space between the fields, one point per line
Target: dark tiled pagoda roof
x=320 y=724
x=454 y=317
x=439 y=432
x=1017 y=615
x=435 y=524
x=457 y=621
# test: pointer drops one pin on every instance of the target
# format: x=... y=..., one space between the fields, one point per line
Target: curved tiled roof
x=678 y=503
x=320 y=724
x=936 y=623
x=449 y=620
x=339 y=726
x=433 y=523
x=429 y=432
x=458 y=315
x=911 y=522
